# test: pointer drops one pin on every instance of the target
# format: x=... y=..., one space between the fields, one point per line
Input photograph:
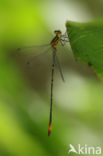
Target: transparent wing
x=34 y=63
x=31 y=47
x=32 y=52
x=59 y=67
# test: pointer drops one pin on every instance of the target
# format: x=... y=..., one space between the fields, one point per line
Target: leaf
x=86 y=41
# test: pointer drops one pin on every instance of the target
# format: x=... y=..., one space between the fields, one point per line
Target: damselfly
x=59 y=38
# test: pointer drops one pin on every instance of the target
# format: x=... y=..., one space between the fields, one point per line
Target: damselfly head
x=58 y=32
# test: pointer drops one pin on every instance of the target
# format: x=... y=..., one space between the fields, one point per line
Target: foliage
x=86 y=40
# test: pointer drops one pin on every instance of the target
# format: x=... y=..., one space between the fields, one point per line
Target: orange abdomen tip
x=49 y=129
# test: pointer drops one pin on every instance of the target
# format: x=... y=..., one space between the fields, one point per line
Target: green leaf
x=86 y=41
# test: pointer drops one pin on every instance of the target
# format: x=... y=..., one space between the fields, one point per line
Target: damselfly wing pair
x=59 y=38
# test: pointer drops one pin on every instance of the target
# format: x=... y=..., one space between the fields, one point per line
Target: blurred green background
x=25 y=90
